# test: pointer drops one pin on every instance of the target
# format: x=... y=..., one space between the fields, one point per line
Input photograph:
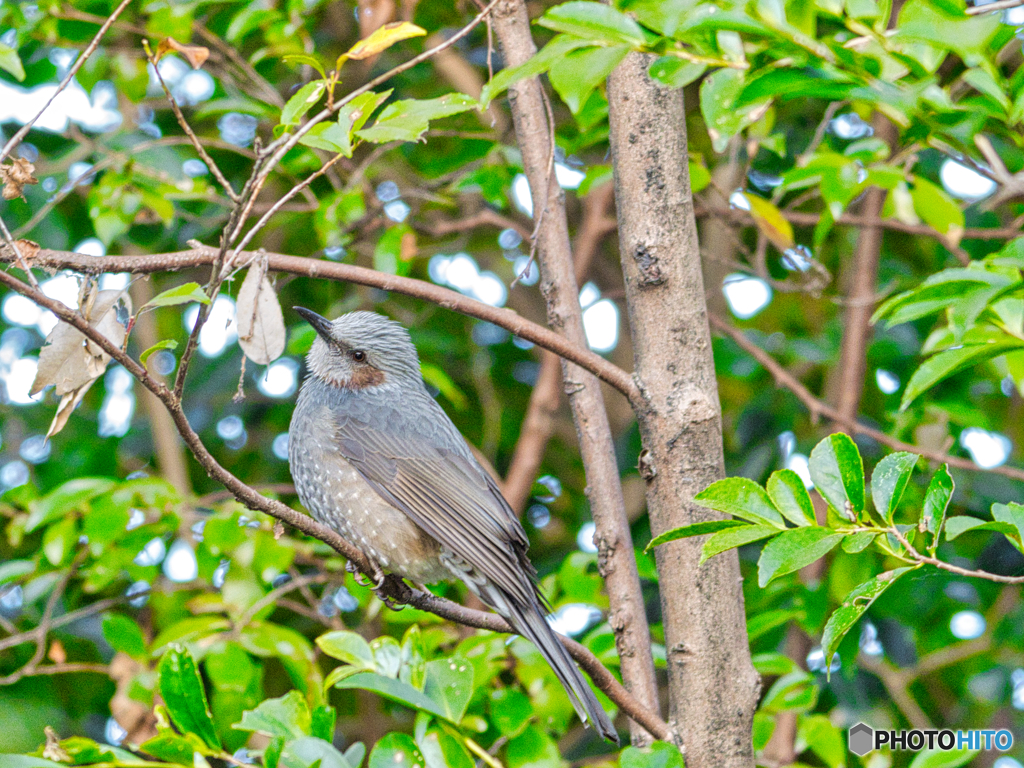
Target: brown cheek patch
x=365 y=376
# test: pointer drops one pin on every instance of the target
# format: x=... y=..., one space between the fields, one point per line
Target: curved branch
x=392 y=587
x=299 y=265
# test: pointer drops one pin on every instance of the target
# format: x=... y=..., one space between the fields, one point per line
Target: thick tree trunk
x=713 y=687
x=558 y=284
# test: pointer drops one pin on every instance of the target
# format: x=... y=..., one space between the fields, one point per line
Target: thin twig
x=203 y=155
x=818 y=407
x=22 y=132
x=999 y=5
x=914 y=554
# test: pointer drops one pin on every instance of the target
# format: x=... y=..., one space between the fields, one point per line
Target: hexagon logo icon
x=861 y=739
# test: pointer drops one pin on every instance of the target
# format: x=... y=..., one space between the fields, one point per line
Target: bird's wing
x=447 y=494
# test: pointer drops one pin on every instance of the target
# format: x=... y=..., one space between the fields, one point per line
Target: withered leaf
x=66 y=407
x=53 y=750
x=261 y=332
x=70 y=361
x=383 y=38
x=195 y=55
x=15 y=176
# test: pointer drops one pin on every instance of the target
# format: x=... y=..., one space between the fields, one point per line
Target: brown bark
x=713 y=687
x=540 y=419
x=861 y=296
x=558 y=285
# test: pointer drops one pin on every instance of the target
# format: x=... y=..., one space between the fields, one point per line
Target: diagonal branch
x=393 y=587
x=818 y=407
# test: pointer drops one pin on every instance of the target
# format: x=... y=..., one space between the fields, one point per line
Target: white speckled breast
x=337 y=495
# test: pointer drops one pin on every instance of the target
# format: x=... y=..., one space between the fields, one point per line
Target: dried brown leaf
x=69 y=360
x=15 y=176
x=261 y=332
x=195 y=55
x=66 y=407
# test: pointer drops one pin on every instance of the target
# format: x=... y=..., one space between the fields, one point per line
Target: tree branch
x=818 y=407
x=298 y=265
x=393 y=587
x=616 y=560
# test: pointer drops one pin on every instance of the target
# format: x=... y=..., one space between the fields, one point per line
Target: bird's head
x=361 y=350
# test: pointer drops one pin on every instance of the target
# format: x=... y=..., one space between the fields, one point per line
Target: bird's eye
x=358 y=355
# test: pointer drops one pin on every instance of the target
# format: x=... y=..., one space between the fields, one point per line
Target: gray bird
x=375 y=458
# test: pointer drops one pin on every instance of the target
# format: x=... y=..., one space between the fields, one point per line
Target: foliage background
x=910 y=659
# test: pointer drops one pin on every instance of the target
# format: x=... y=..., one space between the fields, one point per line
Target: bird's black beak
x=320 y=324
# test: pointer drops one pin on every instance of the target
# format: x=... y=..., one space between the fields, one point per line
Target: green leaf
x=328 y=136
x=838 y=473
x=441 y=750
x=660 y=754
x=694 y=529
x=302 y=102
x=937 y=209
x=181 y=294
x=183 y=694
x=11 y=63
x=510 y=711
x=163 y=344
x=408 y=120
x=323 y=722
x=936 y=758
x=889 y=481
x=172 y=747
x=287 y=717
x=946 y=363
x=305 y=58
x=72 y=496
x=596 y=22
x=396 y=750
x=124 y=635
x=533 y=748
x=936 y=501
x=272 y=754
x=858 y=542
x=575 y=75
x=59 y=540
x=311 y=752
x=353 y=116
x=852 y=608
x=792 y=550
x=824 y=739
x=13 y=569
x=734 y=537
x=743 y=498
x=795 y=691
x=449 y=682
x=541 y=61
x=789 y=494
x=348 y=647
x=395 y=690
x=765 y=621
x=674 y=72
x=718 y=92
x=1010 y=514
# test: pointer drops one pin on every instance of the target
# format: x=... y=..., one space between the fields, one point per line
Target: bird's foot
x=360 y=579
